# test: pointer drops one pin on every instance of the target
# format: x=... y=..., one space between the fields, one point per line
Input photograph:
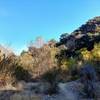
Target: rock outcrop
x=84 y=37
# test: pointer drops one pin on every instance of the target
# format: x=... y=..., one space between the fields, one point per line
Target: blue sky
x=23 y=20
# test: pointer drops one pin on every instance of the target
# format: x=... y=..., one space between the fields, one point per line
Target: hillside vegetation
x=55 y=61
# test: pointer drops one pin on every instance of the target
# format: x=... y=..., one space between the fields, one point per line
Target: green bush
x=21 y=74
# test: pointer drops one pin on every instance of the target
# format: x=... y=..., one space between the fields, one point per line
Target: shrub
x=21 y=74
x=52 y=78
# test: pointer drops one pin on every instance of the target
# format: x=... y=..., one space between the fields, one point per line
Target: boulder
x=25 y=97
x=70 y=90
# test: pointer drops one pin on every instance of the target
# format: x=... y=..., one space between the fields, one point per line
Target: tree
x=38 y=43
